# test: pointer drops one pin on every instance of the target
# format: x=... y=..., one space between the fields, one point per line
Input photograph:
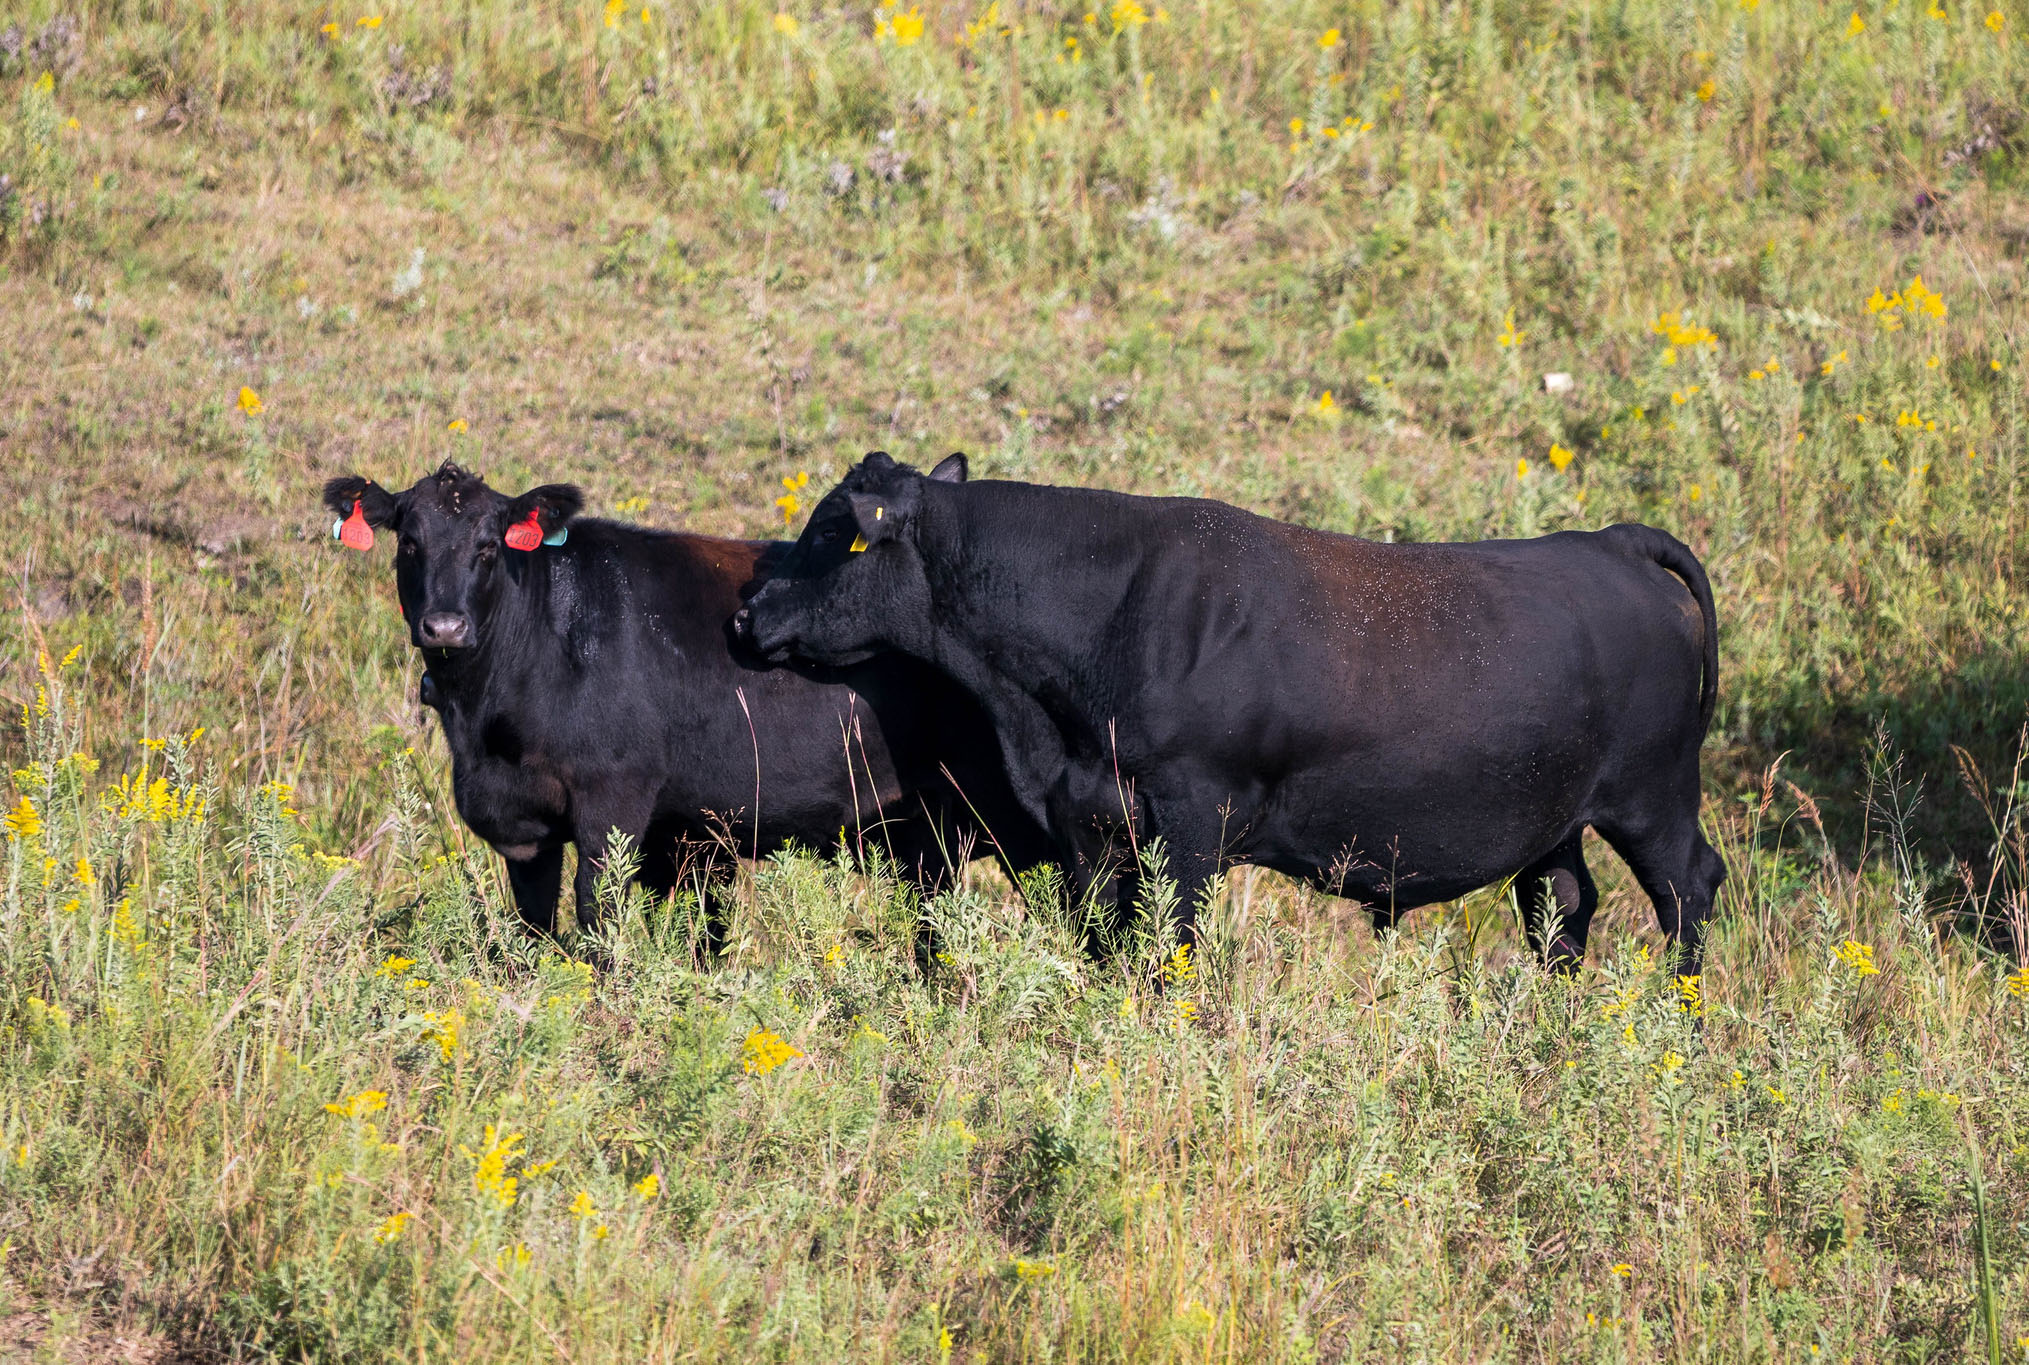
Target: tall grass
x=271 y=1100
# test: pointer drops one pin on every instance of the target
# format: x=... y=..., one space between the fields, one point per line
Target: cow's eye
x=407 y=546
x=487 y=550
x=830 y=534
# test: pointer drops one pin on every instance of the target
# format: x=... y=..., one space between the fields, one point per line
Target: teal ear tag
x=337 y=529
x=558 y=536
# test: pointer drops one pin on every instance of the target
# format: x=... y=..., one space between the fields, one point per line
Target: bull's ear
x=375 y=503
x=552 y=505
x=951 y=469
x=876 y=516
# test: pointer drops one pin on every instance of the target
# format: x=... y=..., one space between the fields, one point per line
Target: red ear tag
x=354 y=533
x=524 y=535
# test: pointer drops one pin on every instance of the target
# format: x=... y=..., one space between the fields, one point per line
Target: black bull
x=1400 y=724
x=595 y=684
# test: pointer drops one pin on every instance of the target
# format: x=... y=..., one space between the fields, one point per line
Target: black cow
x=588 y=680
x=1400 y=724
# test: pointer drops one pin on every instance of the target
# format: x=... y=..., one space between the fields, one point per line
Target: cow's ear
x=376 y=505
x=878 y=460
x=951 y=469
x=552 y=505
x=876 y=516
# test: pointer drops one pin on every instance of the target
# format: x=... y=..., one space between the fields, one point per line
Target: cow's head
x=853 y=584
x=458 y=544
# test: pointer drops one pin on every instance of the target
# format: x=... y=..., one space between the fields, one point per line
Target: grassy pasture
x=279 y=1078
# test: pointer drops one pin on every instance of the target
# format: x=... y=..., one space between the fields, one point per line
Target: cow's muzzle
x=444 y=630
x=774 y=650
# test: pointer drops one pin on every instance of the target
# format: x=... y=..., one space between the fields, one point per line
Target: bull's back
x=1291 y=645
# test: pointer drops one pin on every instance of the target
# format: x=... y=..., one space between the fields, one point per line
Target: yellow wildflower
x=489 y=1166
x=1859 y=957
x=250 y=402
x=2018 y=983
x=1855 y=26
x=457 y=426
x=391 y=1229
x=1033 y=1270
x=1509 y=336
x=581 y=1207
x=443 y=1031
x=765 y=1050
x=1329 y=39
x=786 y=25
x=1327 y=406
x=790 y=503
x=394 y=967
x=1995 y=20
x=370 y=21
x=1707 y=91
x=614 y=9
x=649 y=1186
x=22 y=822
x=330 y=30
x=1522 y=468
x=1560 y=458
x=1623 y=1270
x=905 y=28
x=360 y=1105
x=1128 y=14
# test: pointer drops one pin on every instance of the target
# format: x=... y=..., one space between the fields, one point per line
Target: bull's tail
x=1666 y=550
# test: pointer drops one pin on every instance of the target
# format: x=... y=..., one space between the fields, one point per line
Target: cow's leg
x=1191 y=848
x=670 y=862
x=1558 y=887
x=1678 y=871
x=592 y=833
x=535 y=882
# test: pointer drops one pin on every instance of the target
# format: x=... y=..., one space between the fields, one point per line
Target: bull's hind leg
x=1557 y=898
x=1679 y=872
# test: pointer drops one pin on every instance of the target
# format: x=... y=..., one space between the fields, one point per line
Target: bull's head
x=450 y=534
x=853 y=584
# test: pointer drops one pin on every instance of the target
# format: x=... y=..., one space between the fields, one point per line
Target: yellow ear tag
x=878 y=511
x=859 y=543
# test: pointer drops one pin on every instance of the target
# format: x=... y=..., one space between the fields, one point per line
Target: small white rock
x=1557 y=382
